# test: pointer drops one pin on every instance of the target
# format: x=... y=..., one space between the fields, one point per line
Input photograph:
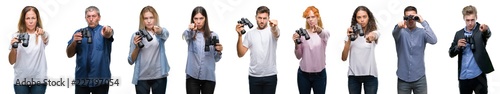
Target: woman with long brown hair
x=203 y=52
x=27 y=53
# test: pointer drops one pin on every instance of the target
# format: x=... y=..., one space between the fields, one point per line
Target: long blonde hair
x=141 y=17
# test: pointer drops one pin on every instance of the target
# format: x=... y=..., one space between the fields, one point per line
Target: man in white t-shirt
x=262 y=42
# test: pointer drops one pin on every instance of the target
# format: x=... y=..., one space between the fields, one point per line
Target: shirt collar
x=96 y=27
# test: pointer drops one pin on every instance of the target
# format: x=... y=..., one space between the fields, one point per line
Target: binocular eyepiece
x=245 y=21
x=357 y=29
x=23 y=38
x=212 y=41
x=302 y=32
x=143 y=34
x=85 y=34
x=411 y=17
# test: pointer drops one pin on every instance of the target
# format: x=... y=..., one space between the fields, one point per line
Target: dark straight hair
x=207 y=33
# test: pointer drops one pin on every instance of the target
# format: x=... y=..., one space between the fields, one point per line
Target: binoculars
x=411 y=17
x=143 y=34
x=357 y=29
x=85 y=34
x=214 y=40
x=302 y=32
x=23 y=38
x=245 y=21
x=470 y=40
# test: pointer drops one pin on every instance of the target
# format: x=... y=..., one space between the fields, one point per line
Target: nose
x=31 y=21
x=197 y=22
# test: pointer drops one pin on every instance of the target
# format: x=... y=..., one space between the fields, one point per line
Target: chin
x=92 y=26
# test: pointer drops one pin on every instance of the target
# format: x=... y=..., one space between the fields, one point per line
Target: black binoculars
x=143 y=34
x=23 y=38
x=302 y=32
x=85 y=34
x=245 y=21
x=470 y=40
x=214 y=40
x=357 y=29
x=411 y=17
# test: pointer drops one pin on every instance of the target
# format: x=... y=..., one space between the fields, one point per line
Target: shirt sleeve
x=187 y=35
x=246 y=41
x=396 y=33
x=453 y=50
x=430 y=37
x=217 y=56
x=131 y=50
x=164 y=34
x=324 y=35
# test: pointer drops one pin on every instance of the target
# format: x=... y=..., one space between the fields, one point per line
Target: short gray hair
x=92 y=8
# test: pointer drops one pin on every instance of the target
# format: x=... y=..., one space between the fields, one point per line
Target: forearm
x=454 y=51
x=13 y=56
x=134 y=55
x=217 y=56
x=298 y=51
x=45 y=38
x=276 y=32
x=71 y=50
x=240 y=48
x=345 y=52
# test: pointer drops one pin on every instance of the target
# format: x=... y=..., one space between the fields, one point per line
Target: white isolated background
x=62 y=17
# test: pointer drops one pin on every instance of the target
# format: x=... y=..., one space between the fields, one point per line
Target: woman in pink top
x=310 y=49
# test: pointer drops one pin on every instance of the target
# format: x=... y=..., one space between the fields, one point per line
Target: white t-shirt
x=150 y=59
x=31 y=63
x=262 y=45
x=362 y=57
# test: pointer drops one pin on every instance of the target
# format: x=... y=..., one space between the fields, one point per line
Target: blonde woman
x=147 y=52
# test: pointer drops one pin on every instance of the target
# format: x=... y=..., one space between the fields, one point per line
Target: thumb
x=102 y=31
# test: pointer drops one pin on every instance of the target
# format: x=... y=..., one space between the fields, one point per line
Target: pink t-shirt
x=312 y=52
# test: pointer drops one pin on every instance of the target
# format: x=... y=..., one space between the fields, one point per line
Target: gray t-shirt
x=150 y=59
